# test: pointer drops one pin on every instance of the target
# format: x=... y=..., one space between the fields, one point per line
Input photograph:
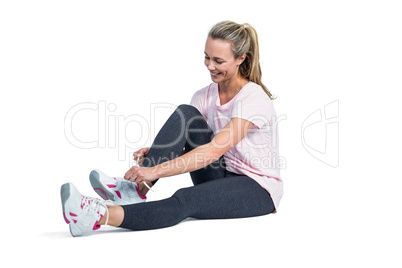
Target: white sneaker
x=80 y=212
x=119 y=190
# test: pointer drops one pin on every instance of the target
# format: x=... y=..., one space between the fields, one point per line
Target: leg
x=199 y=133
x=185 y=128
x=230 y=197
x=116 y=216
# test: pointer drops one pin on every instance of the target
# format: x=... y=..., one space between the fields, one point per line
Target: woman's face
x=220 y=61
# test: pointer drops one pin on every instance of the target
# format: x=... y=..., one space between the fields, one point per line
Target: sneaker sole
x=98 y=186
x=65 y=195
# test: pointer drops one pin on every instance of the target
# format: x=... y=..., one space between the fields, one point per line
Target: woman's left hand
x=139 y=174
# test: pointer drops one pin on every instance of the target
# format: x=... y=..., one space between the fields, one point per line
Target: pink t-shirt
x=257 y=155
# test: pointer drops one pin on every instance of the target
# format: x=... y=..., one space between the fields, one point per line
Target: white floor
x=333 y=228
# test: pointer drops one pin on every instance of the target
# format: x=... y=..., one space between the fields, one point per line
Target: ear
x=241 y=59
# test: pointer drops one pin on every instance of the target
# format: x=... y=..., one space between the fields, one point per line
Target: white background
x=57 y=54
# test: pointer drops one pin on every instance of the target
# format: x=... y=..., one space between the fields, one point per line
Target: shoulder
x=254 y=91
x=203 y=92
x=254 y=99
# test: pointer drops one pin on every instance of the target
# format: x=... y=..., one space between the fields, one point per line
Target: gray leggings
x=216 y=194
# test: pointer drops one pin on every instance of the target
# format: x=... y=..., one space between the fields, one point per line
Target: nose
x=210 y=66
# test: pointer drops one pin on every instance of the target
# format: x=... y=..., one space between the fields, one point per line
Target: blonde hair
x=244 y=40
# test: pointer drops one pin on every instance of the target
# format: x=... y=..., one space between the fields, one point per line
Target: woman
x=227 y=139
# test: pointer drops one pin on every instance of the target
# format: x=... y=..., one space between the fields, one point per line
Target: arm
x=144 y=152
x=208 y=153
x=198 y=158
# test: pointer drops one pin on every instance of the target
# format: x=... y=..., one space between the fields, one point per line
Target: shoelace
x=122 y=180
x=136 y=164
x=93 y=205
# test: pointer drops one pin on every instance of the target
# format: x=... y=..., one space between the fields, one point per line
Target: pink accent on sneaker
x=118 y=194
x=138 y=192
x=96 y=226
x=75 y=221
x=72 y=214
x=84 y=201
x=65 y=218
x=103 y=192
x=111 y=186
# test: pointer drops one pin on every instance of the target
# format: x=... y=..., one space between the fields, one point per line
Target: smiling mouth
x=215 y=74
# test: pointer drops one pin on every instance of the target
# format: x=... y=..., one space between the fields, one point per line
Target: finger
x=131 y=177
x=145 y=151
x=128 y=174
x=132 y=174
x=138 y=153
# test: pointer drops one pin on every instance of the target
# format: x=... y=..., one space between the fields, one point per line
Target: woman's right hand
x=141 y=153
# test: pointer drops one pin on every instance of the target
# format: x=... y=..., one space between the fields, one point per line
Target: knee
x=182 y=194
x=186 y=109
x=179 y=194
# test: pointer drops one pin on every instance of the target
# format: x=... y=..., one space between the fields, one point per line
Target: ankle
x=142 y=189
x=116 y=216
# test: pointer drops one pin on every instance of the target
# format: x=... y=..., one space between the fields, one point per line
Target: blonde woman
x=229 y=150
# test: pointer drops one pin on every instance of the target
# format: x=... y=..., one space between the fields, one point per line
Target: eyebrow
x=215 y=58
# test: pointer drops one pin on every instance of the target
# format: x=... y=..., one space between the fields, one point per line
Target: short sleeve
x=198 y=101
x=255 y=106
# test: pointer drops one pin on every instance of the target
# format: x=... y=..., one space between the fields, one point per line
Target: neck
x=232 y=86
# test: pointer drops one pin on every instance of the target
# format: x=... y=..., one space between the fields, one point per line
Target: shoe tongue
x=128 y=181
x=107 y=203
x=97 y=203
x=129 y=185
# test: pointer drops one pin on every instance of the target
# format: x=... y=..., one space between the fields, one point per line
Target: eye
x=219 y=62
